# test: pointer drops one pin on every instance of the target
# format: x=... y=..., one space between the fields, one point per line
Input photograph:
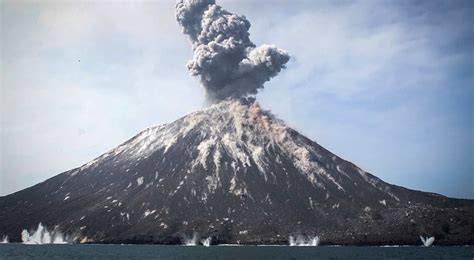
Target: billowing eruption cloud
x=229 y=64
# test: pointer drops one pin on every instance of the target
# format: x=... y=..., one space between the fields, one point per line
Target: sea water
x=89 y=252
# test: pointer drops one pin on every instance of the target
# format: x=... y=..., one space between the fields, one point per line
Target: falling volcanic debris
x=229 y=64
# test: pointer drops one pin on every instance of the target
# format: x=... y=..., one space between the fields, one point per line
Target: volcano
x=237 y=174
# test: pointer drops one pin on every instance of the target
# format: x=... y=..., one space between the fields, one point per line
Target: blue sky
x=387 y=85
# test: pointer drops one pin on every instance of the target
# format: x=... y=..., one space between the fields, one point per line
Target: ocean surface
x=19 y=251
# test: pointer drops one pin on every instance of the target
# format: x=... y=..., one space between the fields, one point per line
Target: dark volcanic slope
x=235 y=173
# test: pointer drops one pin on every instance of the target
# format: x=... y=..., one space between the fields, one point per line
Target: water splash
x=191 y=241
x=4 y=240
x=206 y=242
x=427 y=241
x=301 y=240
x=59 y=238
x=42 y=236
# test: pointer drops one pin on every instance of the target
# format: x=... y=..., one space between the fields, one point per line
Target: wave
x=4 y=240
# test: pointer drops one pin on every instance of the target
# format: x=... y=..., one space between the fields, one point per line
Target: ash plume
x=228 y=63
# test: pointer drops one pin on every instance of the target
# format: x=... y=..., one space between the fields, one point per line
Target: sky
x=387 y=85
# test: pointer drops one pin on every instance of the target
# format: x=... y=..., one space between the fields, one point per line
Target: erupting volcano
x=230 y=173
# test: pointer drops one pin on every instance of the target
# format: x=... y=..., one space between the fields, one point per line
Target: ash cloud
x=228 y=63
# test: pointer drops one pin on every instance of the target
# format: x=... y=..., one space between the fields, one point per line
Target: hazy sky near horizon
x=387 y=85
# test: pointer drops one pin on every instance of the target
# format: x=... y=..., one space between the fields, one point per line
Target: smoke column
x=228 y=63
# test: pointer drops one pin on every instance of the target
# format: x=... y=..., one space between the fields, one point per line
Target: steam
x=229 y=64
x=304 y=241
x=42 y=236
x=427 y=241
